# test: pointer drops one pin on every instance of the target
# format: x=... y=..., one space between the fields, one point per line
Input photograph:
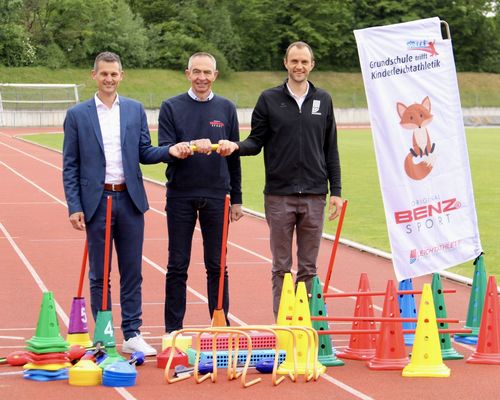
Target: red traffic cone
x=488 y=342
x=361 y=345
x=391 y=352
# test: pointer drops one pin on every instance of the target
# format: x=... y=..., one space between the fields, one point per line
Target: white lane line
x=33 y=273
x=197 y=294
x=12 y=337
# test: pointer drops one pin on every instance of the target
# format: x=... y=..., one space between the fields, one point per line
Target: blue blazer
x=84 y=163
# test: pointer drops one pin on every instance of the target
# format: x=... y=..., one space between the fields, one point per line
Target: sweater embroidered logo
x=315 y=107
x=216 y=124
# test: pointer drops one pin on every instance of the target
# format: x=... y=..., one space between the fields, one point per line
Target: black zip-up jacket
x=300 y=146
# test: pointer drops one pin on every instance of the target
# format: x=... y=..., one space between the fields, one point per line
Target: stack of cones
x=407 y=309
x=488 y=345
x=426 y=359
x=361 y=346
x=326 y=352
x=306 y=361
x=390 y=353
x=476 y=302
x=447 y=351
x=47 y=348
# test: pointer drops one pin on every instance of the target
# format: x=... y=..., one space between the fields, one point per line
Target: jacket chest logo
x=216 y=124
x=315 y=107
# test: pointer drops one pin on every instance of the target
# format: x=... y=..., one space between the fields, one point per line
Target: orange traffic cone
x=391 y=352
x=488 y=343
x=361 y=345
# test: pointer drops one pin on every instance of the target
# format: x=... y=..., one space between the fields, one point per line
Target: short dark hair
x=300 y=45
x=107 y=56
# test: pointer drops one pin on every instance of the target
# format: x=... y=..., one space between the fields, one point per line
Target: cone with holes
x=306 y=356
x=47 y=338
x=285 y=311
x=390 y=353
x=426 y=359
x=488 y=344
x=476 y=302
x=447 y=351
x=326 y=352
x=407 y=309
x=361 y=346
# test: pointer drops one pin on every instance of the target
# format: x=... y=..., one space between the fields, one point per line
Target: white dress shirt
x=299 y=99
x=192 y=94
x=109 y=121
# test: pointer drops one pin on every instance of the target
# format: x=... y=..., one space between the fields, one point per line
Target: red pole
x=223 y=253
x=82 y=270
x=107 y=241
x=334 y=248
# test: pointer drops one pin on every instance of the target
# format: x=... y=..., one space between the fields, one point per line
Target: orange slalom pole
x=82 y=270
x=334 y=248
x=107 y=241
x=401 y=292
x=218 y=317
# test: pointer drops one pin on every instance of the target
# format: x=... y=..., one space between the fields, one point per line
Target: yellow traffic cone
x=306 y=343
x=426 y=357
x=285 y=311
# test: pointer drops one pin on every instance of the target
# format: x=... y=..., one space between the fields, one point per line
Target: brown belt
x=115 y=187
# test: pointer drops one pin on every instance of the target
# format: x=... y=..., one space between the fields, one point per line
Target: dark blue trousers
x=127 y=235
x=182 y=214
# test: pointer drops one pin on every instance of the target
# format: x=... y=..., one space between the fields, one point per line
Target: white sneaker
x=138 y=343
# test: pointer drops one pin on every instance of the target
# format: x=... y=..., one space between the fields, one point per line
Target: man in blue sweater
x=197 y=183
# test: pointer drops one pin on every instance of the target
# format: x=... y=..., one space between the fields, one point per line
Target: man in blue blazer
x=105 y=139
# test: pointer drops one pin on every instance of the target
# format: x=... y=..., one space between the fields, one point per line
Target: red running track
x=40 y=251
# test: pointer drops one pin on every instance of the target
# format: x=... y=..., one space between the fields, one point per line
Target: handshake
x=186 y=149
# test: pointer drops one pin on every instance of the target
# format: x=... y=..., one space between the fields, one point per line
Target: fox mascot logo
x=421 y=158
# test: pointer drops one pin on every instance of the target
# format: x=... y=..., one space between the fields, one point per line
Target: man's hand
x=334 y=207
x=236 y=212
x=78 y=221
x=226 y=148
x=202 y=146
x=180 y=150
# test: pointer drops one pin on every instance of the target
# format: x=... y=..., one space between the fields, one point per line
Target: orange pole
x=223 y=252
x=107 y=240
x=334 y=248
x=82 y=270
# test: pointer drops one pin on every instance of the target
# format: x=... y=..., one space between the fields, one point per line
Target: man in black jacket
x=295 y=125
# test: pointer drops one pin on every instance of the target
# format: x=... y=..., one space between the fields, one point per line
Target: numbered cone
x=78 y=333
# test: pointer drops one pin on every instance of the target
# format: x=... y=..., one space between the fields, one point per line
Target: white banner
x=419 y=137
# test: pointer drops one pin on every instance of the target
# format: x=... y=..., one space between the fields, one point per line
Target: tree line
x=243 y=35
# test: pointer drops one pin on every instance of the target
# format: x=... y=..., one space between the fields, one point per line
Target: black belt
x=115 y=187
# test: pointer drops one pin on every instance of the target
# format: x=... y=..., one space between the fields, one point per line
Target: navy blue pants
x=182 y=214
x=127 y=235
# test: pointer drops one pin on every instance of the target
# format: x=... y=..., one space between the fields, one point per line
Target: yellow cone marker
x=426 y=357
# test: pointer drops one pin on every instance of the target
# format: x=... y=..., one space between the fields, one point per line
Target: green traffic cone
x=476 y=303
x=326 y=352
x=447 y=351
x=47 y=337
x=104 y=331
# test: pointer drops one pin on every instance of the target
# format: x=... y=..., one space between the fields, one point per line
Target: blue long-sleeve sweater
x=183 y=119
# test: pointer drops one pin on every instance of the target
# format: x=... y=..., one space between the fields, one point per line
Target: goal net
x=33 y=104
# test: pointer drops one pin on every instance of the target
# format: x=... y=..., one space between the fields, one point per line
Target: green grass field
x=152 y=86
x=365 y=221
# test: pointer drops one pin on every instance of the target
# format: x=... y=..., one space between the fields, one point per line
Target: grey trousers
x=284 y=214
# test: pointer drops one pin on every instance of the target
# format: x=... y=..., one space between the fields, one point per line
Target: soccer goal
x=36 y=104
